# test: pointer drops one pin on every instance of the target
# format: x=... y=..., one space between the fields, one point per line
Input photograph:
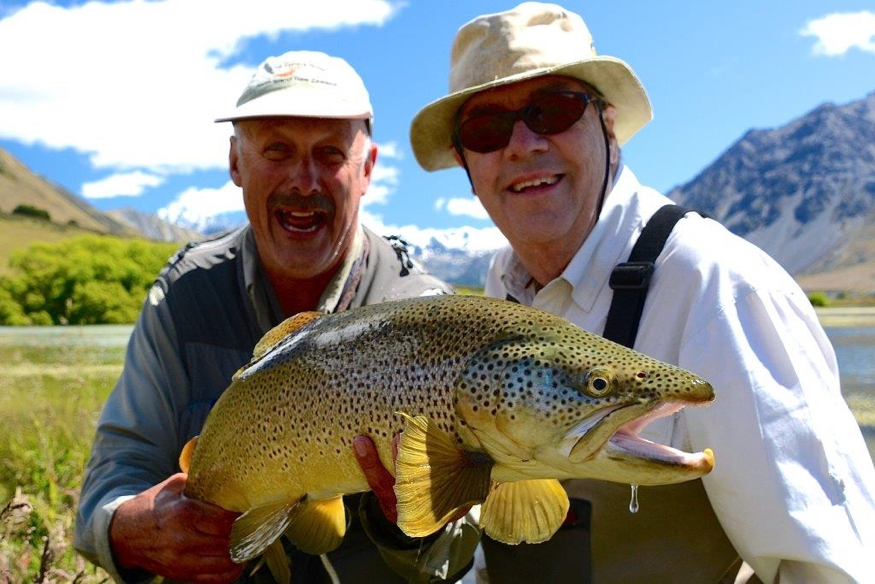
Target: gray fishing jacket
x=208 y=308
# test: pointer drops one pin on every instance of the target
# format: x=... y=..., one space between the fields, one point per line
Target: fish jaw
x=627 y=457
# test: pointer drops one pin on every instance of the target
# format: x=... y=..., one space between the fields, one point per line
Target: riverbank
x=846 y=316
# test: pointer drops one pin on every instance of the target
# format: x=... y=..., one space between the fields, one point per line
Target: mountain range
x=804 y=192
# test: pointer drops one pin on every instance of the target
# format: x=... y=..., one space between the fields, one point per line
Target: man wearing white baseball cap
x=537 y=118
x=301 y=151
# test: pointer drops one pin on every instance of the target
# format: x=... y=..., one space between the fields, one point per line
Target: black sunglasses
x=552 y=113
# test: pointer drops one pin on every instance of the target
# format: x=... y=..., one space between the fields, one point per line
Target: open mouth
x=300 y=221
x=627 y=440
x=595 y=434
x=536 y=183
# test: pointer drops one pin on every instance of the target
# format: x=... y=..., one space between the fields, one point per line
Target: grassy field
x=54 y=383
x=50 y=397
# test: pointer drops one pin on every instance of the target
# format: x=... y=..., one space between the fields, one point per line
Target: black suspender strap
x=631 y=279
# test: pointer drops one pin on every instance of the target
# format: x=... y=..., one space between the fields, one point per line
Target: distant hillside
x=17 y=232
x=152 y=227
x=20 y=186
x=69 y=215
x=804 y=192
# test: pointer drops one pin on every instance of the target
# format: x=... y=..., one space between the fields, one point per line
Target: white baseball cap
x=303 y=84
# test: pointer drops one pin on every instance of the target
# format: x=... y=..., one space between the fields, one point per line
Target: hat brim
x=278 y=104
x=432 y=128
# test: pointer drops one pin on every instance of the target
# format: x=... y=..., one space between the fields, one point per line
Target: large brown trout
x=495 y=403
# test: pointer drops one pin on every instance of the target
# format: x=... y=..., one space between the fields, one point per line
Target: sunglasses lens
x=550 y=114
x=555 y=113
x=486 y=133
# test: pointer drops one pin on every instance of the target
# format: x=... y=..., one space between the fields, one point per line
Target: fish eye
x=598 y=382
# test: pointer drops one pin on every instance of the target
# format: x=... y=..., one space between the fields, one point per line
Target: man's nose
x=304 y=174
x=524 y=140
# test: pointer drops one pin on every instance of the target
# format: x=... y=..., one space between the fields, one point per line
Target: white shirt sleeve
x=793 y=477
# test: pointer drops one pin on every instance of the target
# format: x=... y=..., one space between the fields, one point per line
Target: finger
x=396 y=439
x=369 y=459
x=382 y=482
x=366 y=454
x=212 y=520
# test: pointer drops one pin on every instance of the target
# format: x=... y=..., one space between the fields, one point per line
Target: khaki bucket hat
x=531 y=40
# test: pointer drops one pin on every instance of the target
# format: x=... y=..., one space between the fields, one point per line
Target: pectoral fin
x=524 y=511
x=434 y=479
x=317 y=527
x=259 y=527
x=186 y=454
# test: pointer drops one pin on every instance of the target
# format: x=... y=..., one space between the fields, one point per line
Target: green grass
x=50 y=398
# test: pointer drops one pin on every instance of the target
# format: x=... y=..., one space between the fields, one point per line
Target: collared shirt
x=793 y=481
x=267 y=308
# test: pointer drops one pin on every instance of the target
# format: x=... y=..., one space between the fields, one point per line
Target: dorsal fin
x=186 y=454
x=282 y=330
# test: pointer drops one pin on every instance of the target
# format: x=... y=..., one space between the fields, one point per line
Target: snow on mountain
x=459 y=255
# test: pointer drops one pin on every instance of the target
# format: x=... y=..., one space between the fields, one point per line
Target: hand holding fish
x=381 y=481
x=173 y=535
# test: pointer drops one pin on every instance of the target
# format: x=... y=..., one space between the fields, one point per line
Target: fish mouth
x=627 y=441
x=614 y=432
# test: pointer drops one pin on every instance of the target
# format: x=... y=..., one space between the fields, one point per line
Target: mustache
x=302 y=203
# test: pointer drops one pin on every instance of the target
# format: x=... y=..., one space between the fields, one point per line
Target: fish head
x=564 y=403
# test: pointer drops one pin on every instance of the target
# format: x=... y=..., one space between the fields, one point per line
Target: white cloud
x=196 y=204
x=137 y=84
x=389 y=150
x=466 y=207
x=131 y=184
x=384 y=182
x=840 y=32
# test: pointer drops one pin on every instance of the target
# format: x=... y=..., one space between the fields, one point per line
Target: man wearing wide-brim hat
x=537 y=118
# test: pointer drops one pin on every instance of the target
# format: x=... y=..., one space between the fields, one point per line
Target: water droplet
x=633 y=504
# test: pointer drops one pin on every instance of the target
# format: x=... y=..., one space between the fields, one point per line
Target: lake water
x=855 y=351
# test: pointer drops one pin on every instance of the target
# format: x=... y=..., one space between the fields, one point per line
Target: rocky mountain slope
x=153 y=227
x=804 y=192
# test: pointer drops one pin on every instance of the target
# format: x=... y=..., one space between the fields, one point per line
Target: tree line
x=84 y=280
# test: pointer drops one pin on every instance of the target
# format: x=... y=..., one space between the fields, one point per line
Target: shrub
x=31 y=211
x=85 y=280
x=818 y=299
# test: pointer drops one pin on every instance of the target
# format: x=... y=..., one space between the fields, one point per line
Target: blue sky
x=115 y=100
